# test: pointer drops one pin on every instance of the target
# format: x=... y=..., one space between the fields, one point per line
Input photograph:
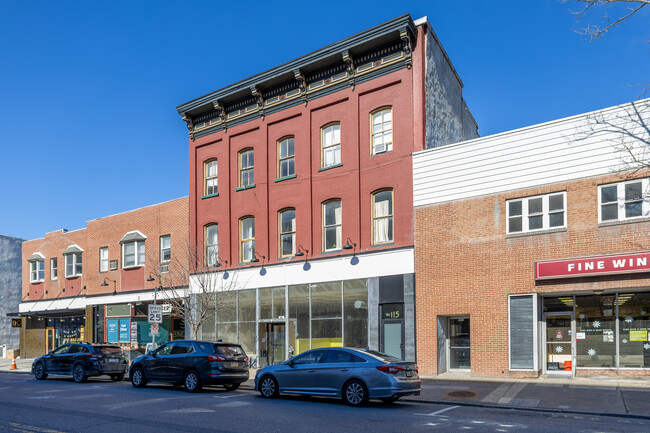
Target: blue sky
x=88 y=90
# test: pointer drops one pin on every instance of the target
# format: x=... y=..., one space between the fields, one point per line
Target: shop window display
x=634 y=326
x=596 y=331
x=299 y=316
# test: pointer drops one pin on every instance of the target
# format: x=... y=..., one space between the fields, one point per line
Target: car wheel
x=355 y=393
x=39 y=371
x=268 y=387
x=231 y=386
x=192 y=381
x=137 y=378
x=390 y=399
x=79 y=373
x=117 y=377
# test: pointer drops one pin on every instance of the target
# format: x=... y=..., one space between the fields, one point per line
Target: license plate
x=112 y=360
x=409 y=373
x=235 y=364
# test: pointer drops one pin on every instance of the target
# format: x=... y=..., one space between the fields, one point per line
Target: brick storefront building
x=91 y=284
x=301 y=188
x=532 y=250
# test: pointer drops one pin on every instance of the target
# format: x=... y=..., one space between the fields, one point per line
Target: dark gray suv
x=82 y=360
x=192 y=364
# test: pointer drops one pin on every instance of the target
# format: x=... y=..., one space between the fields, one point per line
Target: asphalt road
x=59 y=405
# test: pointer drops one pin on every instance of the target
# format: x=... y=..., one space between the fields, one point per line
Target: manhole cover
x=462 y=395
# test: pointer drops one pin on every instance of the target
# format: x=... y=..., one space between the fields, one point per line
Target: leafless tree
x=197 y=302
x=612 y=13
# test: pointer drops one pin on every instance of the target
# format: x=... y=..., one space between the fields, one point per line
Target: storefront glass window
x=272 y=302
x=299 y=316
x=227 y=332
x=355 y=313
x=247 y=306
x=596 y=331
x=564 y=303
x=634 y=326
x=326 y=324
x=208 y=331
x=227 y=306
x=247 y=337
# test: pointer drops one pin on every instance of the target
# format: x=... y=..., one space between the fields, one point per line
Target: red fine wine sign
x=599 y=265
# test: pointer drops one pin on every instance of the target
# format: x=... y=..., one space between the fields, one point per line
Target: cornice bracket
x=190 y=125
x=406 y=46
x=259 y=99
x=349 y=67
x=221 y=113
x=302 y=84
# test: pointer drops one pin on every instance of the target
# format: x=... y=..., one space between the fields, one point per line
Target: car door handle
x=311 y=371
x=345 y=369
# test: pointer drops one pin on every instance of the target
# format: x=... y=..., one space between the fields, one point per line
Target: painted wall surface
x=10 y=288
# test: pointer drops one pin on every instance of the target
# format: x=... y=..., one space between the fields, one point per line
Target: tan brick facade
x=466 y=265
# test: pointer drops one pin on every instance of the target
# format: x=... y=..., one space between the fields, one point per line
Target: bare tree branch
x=594 y=32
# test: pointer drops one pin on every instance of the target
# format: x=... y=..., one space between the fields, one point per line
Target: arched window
x=382 y=217
x=247 y=239
x=246 y=168
x=287 y=232
x=331 y=145
x=210 y=182
x=211 y=245
x=286 y=166
x=381 y=126
x=332 y=225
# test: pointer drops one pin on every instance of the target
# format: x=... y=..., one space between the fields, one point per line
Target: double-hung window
x=623 y=201
x=382 y=217
x=54 y=271
x=165 y=248
x=287 y=223
x=36 y=271
x=537 y=213
x=286 y=166
x=382 y=130
x=211 y=245
x=332 y=225
x=247 y=239
x=210 y=175
x=246 y=168
x=331 y=145
x=133 y=252
x=103 y=259
x=73 y=265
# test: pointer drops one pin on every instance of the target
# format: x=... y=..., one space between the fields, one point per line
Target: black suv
x=192 y=364
x=82 y=360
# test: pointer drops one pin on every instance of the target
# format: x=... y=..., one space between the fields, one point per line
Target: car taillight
x=416 y=368
x=125 y=356
x=392 y=369
x=93 y=356
x=246 y=359
x=213 y=358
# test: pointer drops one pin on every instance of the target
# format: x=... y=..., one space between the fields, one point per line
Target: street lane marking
x=26 y=428
x=151 y=401
x=191 y=410
x=438 y=412
x=228 y=396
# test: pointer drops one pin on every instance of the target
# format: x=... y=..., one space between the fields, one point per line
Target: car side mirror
x=290 y=363
x=151 y=353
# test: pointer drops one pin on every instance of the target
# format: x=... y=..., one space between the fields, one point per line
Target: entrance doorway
x=459 y=353
x=50 y=341
x=392 y=330
x=559 y=341
x=272 y=343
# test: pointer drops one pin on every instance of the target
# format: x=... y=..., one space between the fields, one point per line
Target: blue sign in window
x=111 y=330
x=125 y=328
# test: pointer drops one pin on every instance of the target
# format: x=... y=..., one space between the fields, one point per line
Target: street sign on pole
x=154 y=329
x=155 y=313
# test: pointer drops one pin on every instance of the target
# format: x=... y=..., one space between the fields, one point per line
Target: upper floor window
x=331 y=145
x=73 y=263
x=286 y=157
x=287 y=223
x=211 y=245
x=54 y=268
x=133 y=252
x=247 y=239
x=210 y=177
x=103 y=259
x=36 y=271
x=382 y=130
x=165 y=248
x=382 y=217
x=541 y=212
x=332 y=225
x=246 y=170
x=623 y=201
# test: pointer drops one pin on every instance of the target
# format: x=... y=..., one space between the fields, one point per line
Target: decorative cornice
x=190 y=124
x=302 y=84
x=349 y=67
x=406 y=41
x=259 y=97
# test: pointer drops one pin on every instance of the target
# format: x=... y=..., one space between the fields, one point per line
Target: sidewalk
x=597 y=395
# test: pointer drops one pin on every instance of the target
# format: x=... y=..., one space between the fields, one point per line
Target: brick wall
x=464 y=264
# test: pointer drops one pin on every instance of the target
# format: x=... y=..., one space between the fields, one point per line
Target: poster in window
x=111 y=330
x=125 y=326
x=639 y=335
x=608 y=335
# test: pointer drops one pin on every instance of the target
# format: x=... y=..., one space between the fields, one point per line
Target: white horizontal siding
x=557 y=151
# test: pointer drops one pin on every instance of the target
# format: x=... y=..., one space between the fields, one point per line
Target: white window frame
x=620 y=200
x=246 y=241
x=282 y=234
x=545 y=213
x=211 y=179
x=249 y=170
x=375 y=149
x=37 y=271
x=54 y=268
x=211 y=260
x=103 y=259
x=330 y=128
x=139 y=262
x=377 y=218
x=162 y=249
x=77 y=261
x=337 y=225
x=536 y=331
x=288 y=157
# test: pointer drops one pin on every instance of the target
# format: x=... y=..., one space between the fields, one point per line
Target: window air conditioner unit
x=112 y=265
x=380 y=148
x=164 y=268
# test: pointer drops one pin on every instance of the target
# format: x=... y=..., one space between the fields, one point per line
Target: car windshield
x=109 y=350
x=381 y=356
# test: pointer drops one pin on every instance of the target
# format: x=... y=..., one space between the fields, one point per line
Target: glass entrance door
x=272 y=343
x=559 y=343
x=459 y=344
x=49 y=339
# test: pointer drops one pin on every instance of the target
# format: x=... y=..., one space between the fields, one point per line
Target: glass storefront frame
x=591 y=313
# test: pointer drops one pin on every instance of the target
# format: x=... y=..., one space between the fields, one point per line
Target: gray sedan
x=355 y=375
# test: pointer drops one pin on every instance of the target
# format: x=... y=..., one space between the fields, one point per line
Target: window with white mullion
x=133 y=254
x=623 y=201
x=36 y=271
x=536 y=213
x=73 y=265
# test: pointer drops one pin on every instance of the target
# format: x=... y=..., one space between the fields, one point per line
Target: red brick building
x=301 y=186
x=531 y=250
x=91 y=284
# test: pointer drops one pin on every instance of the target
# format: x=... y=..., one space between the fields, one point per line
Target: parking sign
x=155 y=313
